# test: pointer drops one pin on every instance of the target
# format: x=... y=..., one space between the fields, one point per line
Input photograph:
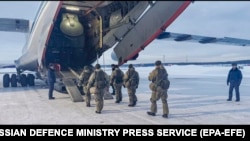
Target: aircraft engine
x=70 y=25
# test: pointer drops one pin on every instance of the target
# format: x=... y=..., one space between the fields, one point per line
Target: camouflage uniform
x=99 y=92
x=130 y=74
x=84 y=77
x=117 y=86
x=158 y=92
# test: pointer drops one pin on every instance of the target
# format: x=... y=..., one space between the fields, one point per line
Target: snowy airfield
x=197 y=96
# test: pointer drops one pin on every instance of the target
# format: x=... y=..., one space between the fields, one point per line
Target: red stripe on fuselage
x=50 y=30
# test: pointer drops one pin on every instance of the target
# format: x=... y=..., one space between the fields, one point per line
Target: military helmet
x=97 y=66
x=158 y=63
x=130 y=66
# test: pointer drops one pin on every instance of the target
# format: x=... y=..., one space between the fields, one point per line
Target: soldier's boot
x=165 y=115
x=135 y=102
x=118 y=100
x=151 y=113
x=131 y=104
x=88 y=104
x=98 y=112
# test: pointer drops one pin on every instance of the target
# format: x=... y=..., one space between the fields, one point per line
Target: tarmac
x=195 y=97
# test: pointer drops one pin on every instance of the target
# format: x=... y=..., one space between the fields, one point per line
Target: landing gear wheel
x=13 y=80
x=23 y=80
x=31 y=79
x=6 y=80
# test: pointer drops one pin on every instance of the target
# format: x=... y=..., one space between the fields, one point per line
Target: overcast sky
x=211 y=18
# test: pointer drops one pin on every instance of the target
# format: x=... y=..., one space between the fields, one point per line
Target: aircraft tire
x=23 y=80
x=13 y=80
x=6 y=80
x=31 y=79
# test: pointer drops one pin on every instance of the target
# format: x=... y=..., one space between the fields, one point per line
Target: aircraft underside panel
x=143 y=30
x=126 y=25
x=34 y=47
x=170 y=36
x=23 y=64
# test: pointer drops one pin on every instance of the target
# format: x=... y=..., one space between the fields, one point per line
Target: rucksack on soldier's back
x=86 y=76
x=133 y=80
x=118 y=77
x=100 y=80
x=165 y=84
x=162 y=80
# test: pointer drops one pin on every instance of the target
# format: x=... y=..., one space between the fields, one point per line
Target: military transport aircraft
x=73 y=34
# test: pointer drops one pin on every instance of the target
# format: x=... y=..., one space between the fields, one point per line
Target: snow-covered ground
x=197 y=95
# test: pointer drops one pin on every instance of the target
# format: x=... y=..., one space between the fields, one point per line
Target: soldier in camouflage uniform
x=116 y=79
x=99 y=81
x=131 y=82
x=159 y=89
x=83 y=81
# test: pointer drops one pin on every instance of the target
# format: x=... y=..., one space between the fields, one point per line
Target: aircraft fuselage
x=76 y=33
x=73 y=34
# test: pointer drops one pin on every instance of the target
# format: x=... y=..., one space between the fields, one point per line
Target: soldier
x=51 y=80
x=99 y=81
x=113 y=89
x=131 y=82
x=83 y=81
x=116 y=79
x=159 y=86
x=234 y=78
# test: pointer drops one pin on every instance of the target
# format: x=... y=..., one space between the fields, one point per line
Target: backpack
x=161 y=79
x=133 y=79
x=165 y=84
x=100 y=80
x=86 y=76
x=118 y=77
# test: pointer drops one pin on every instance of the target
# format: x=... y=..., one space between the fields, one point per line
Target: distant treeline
x=241 y=62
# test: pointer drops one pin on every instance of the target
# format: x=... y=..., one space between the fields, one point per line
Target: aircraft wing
x=14 y=25
x=203 y=39
x=6 y=66
x=2 y=66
